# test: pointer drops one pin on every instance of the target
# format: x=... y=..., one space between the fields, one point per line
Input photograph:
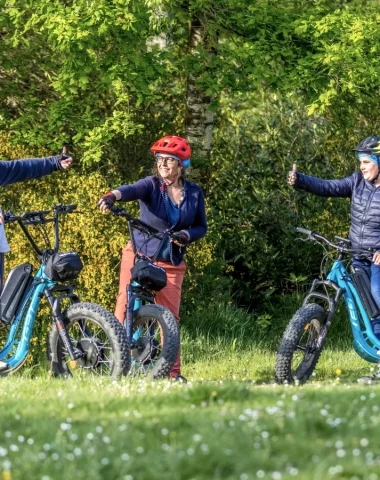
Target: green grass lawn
x=229 y=422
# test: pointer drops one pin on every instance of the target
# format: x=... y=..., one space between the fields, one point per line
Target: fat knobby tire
x=290 y=339
x=170 y=333
x=111 y=326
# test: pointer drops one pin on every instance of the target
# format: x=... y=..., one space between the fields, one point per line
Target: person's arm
x=127 y=193
x=18 y=170
x=325 y=188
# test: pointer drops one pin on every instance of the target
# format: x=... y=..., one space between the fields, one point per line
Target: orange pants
x=169 y=297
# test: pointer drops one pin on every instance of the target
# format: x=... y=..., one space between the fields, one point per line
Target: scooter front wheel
x=299 y=353
x=98 y=336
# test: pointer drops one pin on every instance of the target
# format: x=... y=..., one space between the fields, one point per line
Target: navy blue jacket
x=151 y=195
x=19 y=170
x=365 y=204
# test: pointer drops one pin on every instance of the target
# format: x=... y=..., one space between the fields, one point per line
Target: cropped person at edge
x=362 y=188
x=167 y=200
x=19 y=170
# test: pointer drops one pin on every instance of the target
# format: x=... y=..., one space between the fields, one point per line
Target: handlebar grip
x=70 y=208
x=26 y=215
x=303 y=230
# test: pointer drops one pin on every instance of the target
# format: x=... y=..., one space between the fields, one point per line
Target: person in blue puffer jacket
x=19 y=170
x=363 y=189
x=167 y=200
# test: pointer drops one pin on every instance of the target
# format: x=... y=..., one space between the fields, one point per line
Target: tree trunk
x=199 y=120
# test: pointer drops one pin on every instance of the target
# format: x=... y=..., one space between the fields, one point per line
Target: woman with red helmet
x=167 y=200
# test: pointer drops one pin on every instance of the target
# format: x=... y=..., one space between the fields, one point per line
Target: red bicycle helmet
x=174 y=145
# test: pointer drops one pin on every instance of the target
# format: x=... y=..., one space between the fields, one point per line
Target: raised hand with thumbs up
x=292 y=175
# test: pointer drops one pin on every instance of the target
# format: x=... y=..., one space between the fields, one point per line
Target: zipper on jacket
x=365 y=216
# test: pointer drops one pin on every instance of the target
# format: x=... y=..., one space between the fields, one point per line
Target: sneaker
x=370 y=379
x=179 y=378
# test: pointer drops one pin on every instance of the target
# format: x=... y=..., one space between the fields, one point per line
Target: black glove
x=109 y=199
x=182 y=237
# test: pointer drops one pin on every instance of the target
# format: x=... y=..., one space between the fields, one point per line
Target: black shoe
x=370 y=379
x=179 y=378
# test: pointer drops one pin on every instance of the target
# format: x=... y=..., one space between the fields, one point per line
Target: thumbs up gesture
x=292 y=175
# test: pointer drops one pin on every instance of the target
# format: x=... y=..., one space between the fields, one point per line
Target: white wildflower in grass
x=373 y=476
x=8 y=434
x=99 y=429
x=65 y=426
x=77 y=451
x=190 y=451
x=204 y=448
x=17 y=417
x=90 y=436
x=13 y=448
x=276 y=475
x=91 y=451
x=55 y=456
x=3 y=452
x=216 y=425
x=339 y=444
x=125 y=457
x=140 y=450
x=260 y=474
x=231 y=423
x=243 y=476
x=45 y=477
x=369 y=457
x=128 y=477
x=265 y=434
x=21 y=439
x=293 y=471
x=73 y=437
x=336 y=469
x=42 y=455
x=340 y=453
x=126 y=413
x=355 y=452
x=106 y=439
x=30 y=441
x=104 y=461
x=70 y=406
x=364 y=442
x=164 y=431
x=122 y=428
x=197 y=437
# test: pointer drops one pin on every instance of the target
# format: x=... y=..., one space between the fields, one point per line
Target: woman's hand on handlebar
x=108 y=200
x=1 y=219
x=181 y=238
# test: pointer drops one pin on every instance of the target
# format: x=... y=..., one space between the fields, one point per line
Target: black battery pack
x=363 y=286
x=18 y=281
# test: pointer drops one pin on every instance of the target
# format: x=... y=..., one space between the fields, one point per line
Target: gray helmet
x=369 y=145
